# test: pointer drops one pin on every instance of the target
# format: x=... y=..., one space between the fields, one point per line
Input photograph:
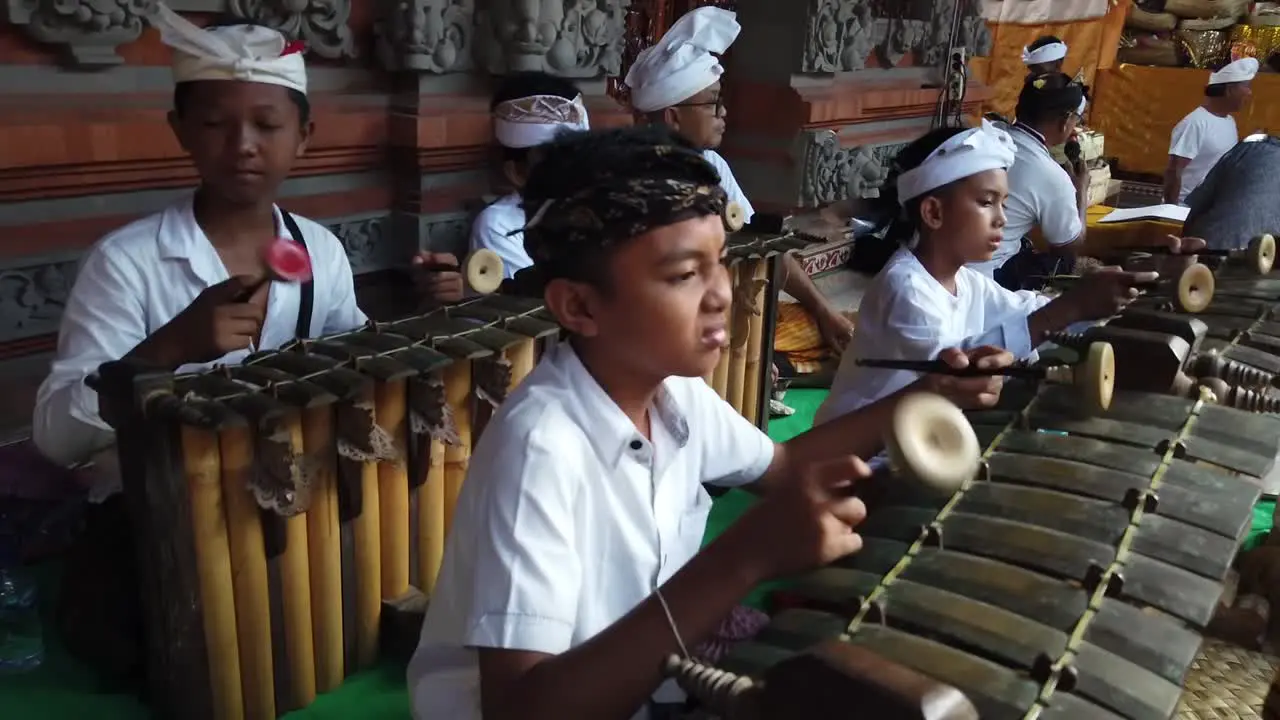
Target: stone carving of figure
x=571 y=38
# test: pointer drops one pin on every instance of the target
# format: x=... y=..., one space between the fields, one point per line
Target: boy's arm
x=103 y=321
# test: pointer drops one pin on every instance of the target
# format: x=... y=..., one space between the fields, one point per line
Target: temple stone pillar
x=822 y=93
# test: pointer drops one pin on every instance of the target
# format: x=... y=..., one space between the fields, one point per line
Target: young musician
x=677 y=83
x=1206 y=134
x=169 y=288
x=952 y=185
x=1044 y=198
x=573 y=567
x=1045 y=55
x=181 y=289
x=528 y=109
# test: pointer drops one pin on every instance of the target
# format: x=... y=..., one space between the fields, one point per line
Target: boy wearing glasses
x=676 y=83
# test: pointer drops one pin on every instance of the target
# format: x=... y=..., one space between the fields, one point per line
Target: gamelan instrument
x=1094 y=377
x=1070 y=577
x=291 y=511
x=482 y=269
x=1258 y=258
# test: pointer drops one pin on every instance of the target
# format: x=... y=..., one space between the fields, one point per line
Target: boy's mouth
x=715 y=336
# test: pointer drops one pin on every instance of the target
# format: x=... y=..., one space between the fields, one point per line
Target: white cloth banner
x=1041 y=12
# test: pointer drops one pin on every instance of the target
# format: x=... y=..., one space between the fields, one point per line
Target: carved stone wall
x=844 y=35
x=831 y=172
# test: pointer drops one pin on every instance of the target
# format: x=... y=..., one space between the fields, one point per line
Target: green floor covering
x=62 y=690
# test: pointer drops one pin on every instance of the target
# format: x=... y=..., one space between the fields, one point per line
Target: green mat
x=62 y=690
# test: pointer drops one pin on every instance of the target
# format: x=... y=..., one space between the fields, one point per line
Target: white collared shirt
x=1203 y=138
x=492 y=231
x=908 y=315
x=569 y=518
x=730 y=183
x=1041 y=194
x=137 y=279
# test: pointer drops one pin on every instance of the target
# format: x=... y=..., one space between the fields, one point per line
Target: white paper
x=1174 y=213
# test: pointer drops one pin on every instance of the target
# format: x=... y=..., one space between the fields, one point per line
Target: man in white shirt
x=183 y=289
x=1045 y=55
x=573 y=567
x=1208 y=132
x=677 y=83
x=1045 y=200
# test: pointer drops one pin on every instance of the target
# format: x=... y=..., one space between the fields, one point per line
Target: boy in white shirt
x=952 y=185
x=573 y=563
x=528 y=109
x=183 y=289
x=1201 y=138
x=676 y=83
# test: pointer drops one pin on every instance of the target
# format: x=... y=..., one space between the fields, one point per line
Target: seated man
x=573 y=568
x=1044 y=199
x=1239 y=199
x=676 y=83
x=1044 y=56
x=1208 y=132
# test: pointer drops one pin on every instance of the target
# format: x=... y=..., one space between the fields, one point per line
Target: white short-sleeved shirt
x=1203 y=138
x=138 y=278
x=493 y=230
x=730 y=183
x=908 y=315
x=1041 y=194
x=569 y=518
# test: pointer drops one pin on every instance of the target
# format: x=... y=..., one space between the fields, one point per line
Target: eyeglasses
x=717 y=106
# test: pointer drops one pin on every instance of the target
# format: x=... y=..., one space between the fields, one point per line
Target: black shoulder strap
x=308 y=299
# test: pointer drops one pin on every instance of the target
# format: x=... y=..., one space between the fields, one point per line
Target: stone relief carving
x=433 y=36
x=32 y=298
x=831 y=172
x=90 y=31
x=842 y=34
x=321 y=24
x=570 y=38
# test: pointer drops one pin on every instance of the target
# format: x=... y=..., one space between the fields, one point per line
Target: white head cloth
x=1242 y=70
x=1047 y=54
x=531 y=121
x=247 y=53
x=682 y=63
x=968 y=153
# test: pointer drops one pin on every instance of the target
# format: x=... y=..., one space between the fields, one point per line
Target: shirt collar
x=181 y=238
x=1030 y=131
x=612 y=433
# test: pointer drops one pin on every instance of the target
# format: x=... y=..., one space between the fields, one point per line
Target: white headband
x=1047 y=54
x=968 y=153
x=248 y=53
x=1242 y=70
x=682 y=63
x=535 y=120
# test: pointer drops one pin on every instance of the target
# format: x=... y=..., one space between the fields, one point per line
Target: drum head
x=931 y=442
x=1195 y=289
x=1096 y=378
x=484 y=271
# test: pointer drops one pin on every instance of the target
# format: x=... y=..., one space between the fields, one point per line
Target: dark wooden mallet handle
x=937 y=367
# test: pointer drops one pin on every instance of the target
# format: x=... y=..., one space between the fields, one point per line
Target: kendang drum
x=281 y=505
x=1070 y=577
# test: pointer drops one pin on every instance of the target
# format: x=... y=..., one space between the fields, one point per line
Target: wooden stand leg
x=325 y=551
x=295 y=589
x=249 y=574
x=202 y=468
x=393 y=491
x=457 y=393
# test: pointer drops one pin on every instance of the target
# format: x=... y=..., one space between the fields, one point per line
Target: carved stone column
x=822 y=93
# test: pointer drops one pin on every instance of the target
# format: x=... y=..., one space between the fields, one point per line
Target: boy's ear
x=514 y=174
x=931 y=212
x=571 y=304
x=308 y=128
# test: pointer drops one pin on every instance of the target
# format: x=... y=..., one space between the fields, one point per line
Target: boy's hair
x=1219 y=90
x=1051 y=97
x=527 y=84
x=592 y=191
x=182 y=90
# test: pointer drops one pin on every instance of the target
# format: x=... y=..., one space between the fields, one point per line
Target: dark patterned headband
x=659 y=186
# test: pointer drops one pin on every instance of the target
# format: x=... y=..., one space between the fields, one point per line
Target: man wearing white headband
x=1209 y=131
x=677 y=83
x=529 y=109
x=951 y=187
x=1045 y=55
x=187 y=287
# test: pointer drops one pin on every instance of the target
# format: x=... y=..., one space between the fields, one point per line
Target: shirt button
x=636 y=444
